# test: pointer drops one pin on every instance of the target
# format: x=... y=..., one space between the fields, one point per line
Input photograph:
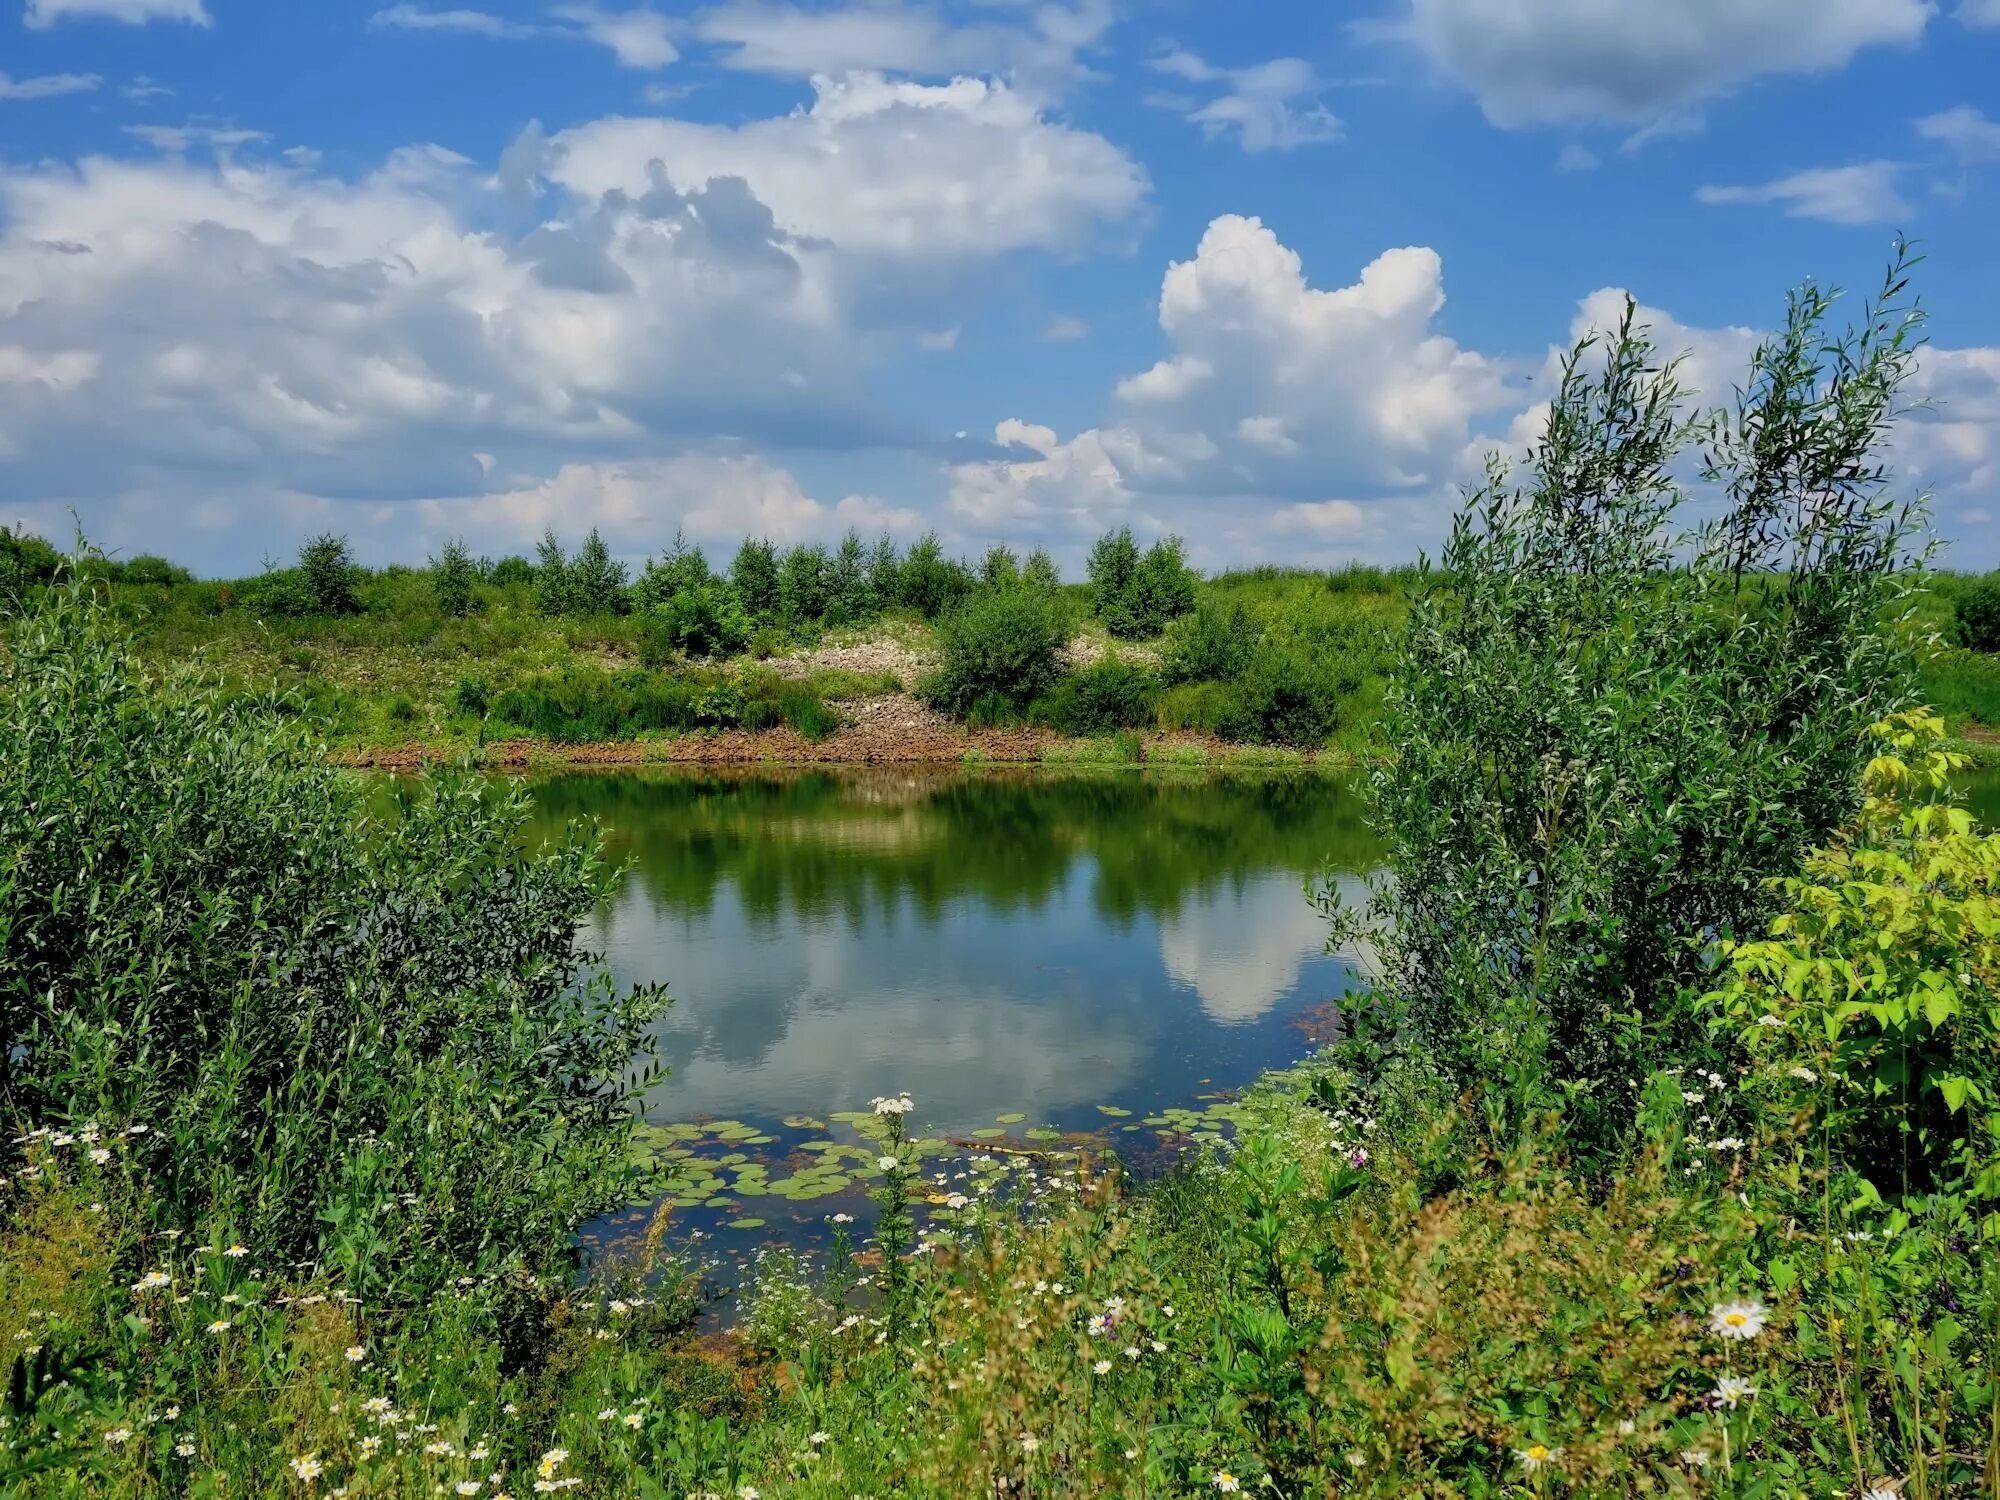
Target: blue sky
x=1274 y=276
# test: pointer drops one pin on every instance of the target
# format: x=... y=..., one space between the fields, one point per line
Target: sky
x=1273 y=276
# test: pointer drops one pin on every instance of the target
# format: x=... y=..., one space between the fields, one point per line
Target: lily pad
x=1014 y=1117
x=1113 y=1110
x=746 y=1223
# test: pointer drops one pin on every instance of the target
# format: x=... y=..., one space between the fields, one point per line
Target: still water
x=1046 y=952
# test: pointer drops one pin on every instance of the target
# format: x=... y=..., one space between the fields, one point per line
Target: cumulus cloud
x=217 y=322
x=1269 y=107
x=638 y=38
x=1277 y=397
x=48 y=86
x=1864 y=193
x=887 y=166
x=133 y=12
x=1979 y=12
x=1534 y=62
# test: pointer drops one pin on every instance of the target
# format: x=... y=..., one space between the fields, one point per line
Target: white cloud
x=1260 y=105
x=1979 y=12
x=771 y=36
x=48 y=85
x=1576 y=158
x=912 y=170
x=1243 y=949
x=1064 y=328
x=133 y=12
x=1971 y=136
x=1275 y=395
x=1540 y=61
x=638 y=38
x=1864 y=193
x=226 y=322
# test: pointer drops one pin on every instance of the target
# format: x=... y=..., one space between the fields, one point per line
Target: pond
x=1031 y=956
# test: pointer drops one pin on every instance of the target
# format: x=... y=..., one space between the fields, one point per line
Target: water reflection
x=992 y=943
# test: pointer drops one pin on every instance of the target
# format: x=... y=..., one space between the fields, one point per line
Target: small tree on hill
x=328 y=574
x=453 y=574
x=755 y=574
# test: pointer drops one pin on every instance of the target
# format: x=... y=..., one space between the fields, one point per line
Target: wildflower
x=1803 y=1074
x=152 y=1281
x=1535 y=1455
x=355 y=1354
x=371 y=1445
x=1694 y=1458
x=957 y=1200
x=619 y=1307
x=236 y=1252
x=899 y=1105
x=308 y=1467
x=1769 y=1021
x=220 y=1325
x=1690 y=1096
x=1102 y=1367
x=843 y=1218
x=818 y=1438
x=887 y=1163
x=442 y=1448
x=1627 y=1427
x=746 y=1492
x=1731 y=1390
x=1226 y=1482
x=634 y=1420
x=184 y=1448
x=100 y=1155
x=1738 y=1320
x=1029 y=1442
x=609 y=1413
x=1131 y=1351
x=1356 y=1459
x=118 y=1435
x=551 y=1461
x=467 y=1487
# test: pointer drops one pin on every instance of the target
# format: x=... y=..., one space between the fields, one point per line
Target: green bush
x=1108 y=694
x=804 y=587
x=511 y=572
x=1610 y=737
x=929 y=582
x=26 y=561
x=471 y=695
x=581 y=706
x=369 y=1043
x=278 y=593
x=850 y=591
x=1286 y=698
x=1137 y=596
x=591 y=583
x=1004 y=642
x=755 y=574
x=999 y=568
x=1212 y=643
x=699 y=621
x=682 y=568
x=328 y=576
x=453 y=578
x=1978 y=616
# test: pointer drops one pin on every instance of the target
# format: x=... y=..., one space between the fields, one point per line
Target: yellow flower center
x=1735 y=1319
x=1537 y=1452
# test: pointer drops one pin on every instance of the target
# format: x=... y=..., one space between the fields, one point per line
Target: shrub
x=755 y=574
x=850 y=596
x=885 y=573
x=453 y=575
x=682 y=568
x=278 y=593
x=26 y=561
x=1212 y=643
x=146 y=568
x=580 y=706
x=1609 y=737
x=597 y=579
x=1137 y=596
x=804 y=587
x=1039 y=571
x=807 y=713
x=1001 y=642
x=1978 y=616
x=702 y=620
x=930 y=583
x=999 y=568
x=328 y=576
x=1108 y=694
x=1284 y=697
x=365 y=1042
x=555 y=588
x=511 y=572
x=471 y=695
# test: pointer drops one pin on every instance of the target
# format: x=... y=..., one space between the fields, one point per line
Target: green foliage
x=328 y=576
x=1039 y=571
x=471 y=695
x=597 y=579
x=999 y=568
x=700 y=620
x=1609 y=737
x=804 y=587
x=1108 y=694
x=1283 y=697
x=26 y=561
x=850 y=595
x=755 y=574
x=1210 y=644
x=453 y=578
x=1005 y=643
x=582 y=706
x=1137 y=596
x=511 y=572
x=1978 y=616
x=930 y=583
x=370 y=1043
x=661 y=579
